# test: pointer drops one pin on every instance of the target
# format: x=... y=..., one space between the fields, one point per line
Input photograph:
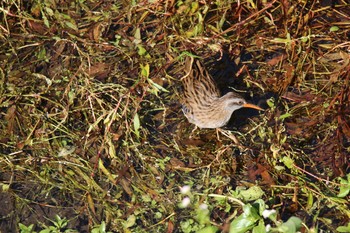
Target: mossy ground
x=92 y=128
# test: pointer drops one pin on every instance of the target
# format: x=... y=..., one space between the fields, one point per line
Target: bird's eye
x=240 y=102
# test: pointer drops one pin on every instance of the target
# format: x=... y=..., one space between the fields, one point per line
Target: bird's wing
x=198 y=81
x=202 y=76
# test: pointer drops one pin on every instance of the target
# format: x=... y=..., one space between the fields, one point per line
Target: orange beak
x=252 y=106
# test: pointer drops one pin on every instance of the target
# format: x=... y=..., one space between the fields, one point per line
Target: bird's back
x=200 y=92
x=199 y=87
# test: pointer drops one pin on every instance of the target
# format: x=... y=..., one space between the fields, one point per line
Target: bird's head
x=234 y=102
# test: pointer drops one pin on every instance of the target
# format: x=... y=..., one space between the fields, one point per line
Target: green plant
x=26 y=229
x=100 y=228
x=253 y=217
x=59 y=225
x=256 y=216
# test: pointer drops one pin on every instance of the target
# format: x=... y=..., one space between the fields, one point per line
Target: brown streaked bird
x=203 y=104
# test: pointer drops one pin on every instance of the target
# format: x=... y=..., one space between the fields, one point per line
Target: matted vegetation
x=93 y=138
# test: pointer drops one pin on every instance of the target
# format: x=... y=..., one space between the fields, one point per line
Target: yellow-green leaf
x=137 y=125
x=144 y=70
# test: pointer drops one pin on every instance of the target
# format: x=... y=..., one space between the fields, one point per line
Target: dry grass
x=92 y=131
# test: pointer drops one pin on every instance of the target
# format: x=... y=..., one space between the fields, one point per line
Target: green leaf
x=344 y=228
x=241 y=225
x=71 y=25
x=142 y=51
x=208 y=229
x=291 y=226
x=130 y=221
x=245 y=221
x=197 y=29
x=46 y=21
x=26 y=229
x=334 y=29
x=203 y=216
x=194 y=7
x=251 y=194
x=288 y=162
x=280 y=168
x=281 y=40
x=304 y=39
x=344 y=187
x=137 y=34
x=95 y=230
x=145 y=70
x=49 y=11
x=22 y=226
x=260 y=205
x=310 y=201
x=284 y=116
x=260 y=228
x=45 y=230
x=271 y=102
x=41 y=55
x=5 y=187
x=157 y=87
x=102 y=227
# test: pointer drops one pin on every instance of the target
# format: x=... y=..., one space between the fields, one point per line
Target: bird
x=202 y=103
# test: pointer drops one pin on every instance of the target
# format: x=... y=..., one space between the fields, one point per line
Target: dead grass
x=91 y=127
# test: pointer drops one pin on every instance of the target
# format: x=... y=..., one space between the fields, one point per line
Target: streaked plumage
x=203 y=104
